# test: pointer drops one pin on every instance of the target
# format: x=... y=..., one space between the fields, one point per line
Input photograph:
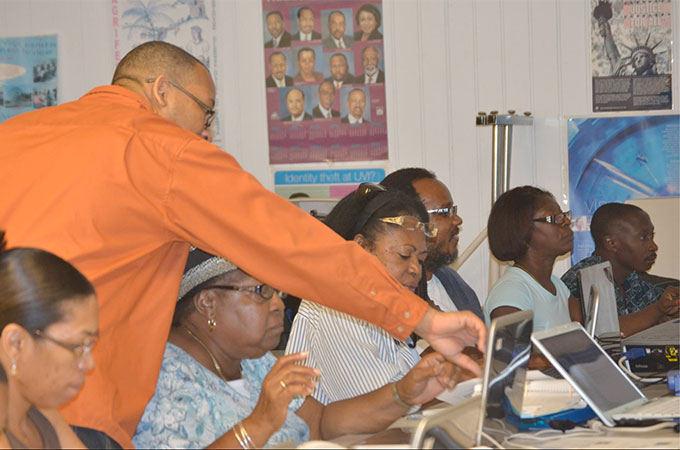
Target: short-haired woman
x=528 y=227
x=368 y=19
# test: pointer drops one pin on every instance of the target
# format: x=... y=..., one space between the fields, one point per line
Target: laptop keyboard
x=664 y=407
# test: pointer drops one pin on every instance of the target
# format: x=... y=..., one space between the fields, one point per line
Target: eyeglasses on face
x=79 y=350
x=449 y=211
x=412 y=223
x=558 y=219
x=209 y=112
x=263 y=290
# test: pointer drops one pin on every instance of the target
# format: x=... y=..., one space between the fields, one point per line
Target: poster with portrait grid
x=324 y=80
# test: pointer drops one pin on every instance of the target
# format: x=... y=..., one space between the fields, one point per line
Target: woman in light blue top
x=527 y=226
x=219 y=384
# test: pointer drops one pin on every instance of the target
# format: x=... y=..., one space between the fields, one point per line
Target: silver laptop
x=598 y=300
x=504 y=376
x=601 y=383
x=666 y=333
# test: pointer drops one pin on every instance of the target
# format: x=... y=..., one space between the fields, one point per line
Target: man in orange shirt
x=120 y=182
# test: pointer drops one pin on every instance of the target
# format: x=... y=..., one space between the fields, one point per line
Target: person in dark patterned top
x=624 y=236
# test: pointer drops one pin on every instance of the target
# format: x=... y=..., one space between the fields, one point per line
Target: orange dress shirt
x=120 y=192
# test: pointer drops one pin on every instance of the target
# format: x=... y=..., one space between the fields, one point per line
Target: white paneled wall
x=445 y=61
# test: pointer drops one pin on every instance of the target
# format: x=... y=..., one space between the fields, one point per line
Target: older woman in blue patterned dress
x=220 y=385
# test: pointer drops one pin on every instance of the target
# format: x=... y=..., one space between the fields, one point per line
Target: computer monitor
x=504 y=377
x=598 y=300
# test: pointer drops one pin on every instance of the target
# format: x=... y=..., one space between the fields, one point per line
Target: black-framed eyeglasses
x=558 y=219
x=209 y=112
x=367 y=188
x=412 y=223
x=79 y=350
x=449 y=211
x=263 y=290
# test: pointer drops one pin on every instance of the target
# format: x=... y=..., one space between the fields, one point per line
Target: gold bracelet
x=238 y=437
x=398 y=399
x=246 y=436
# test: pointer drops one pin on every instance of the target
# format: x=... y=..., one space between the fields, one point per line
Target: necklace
x=212 y=357
x=539 y=283
x=525 y=270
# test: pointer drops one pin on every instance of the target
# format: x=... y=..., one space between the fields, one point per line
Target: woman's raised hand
x=285 y=381
x=428 y=379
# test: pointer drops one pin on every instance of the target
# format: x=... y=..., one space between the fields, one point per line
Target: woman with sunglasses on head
x=48 y=325
x=527 y=226
x=220 y=385
x=354 y=356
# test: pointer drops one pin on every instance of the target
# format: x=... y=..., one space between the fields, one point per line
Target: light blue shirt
x=192 y=407
x=518 y=289
x=355 y=357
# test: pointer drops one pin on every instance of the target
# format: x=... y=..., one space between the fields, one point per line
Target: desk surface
x=609 y=438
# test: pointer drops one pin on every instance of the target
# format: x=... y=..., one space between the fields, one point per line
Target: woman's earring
x=13 y=369
x=211 y=325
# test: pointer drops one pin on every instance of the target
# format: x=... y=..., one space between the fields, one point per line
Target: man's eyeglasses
x=263 y=290
x=411 y=223
x=449 y=211
x=558 y=219
x=80 y=350
x=209 y=112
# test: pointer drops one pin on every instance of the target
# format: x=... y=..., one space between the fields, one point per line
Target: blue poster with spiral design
x=614 y=159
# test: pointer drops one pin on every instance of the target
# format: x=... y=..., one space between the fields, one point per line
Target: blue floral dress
x=192 y=407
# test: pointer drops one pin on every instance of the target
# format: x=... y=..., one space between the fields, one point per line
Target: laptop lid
x=582 y=362
x=598 y=300
x=667 y=333
x=504 y=375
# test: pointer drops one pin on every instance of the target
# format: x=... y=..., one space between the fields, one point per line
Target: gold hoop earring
x=211 y=325
x=13 y=369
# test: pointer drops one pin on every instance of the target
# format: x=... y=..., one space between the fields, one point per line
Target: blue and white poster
x=323 y=183
x=614 y=159
x=28 y=74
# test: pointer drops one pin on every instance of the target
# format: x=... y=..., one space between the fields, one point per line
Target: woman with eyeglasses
x=356 y=357
x=220 y=385
x=48 y=325
x=527 y=226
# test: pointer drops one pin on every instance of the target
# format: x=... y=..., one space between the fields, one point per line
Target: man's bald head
x=154 y=58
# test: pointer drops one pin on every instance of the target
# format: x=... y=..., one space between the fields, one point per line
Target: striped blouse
x=354 y=356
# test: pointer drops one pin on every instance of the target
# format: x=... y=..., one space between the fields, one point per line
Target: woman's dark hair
x=510 y=226
x=34 y=285
x=360 y=214
x=370 y=9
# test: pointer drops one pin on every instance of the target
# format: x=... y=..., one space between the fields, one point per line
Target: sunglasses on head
x=412 y=223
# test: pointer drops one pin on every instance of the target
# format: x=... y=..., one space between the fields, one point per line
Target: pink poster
x=325 y=81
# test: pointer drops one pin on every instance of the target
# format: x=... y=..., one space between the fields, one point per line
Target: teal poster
x=28 y=74
x=614 y=159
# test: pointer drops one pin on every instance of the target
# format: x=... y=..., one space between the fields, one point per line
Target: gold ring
x=283 y=384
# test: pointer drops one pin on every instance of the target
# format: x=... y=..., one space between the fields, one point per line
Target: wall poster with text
x=28 y=74
x=614 y=159
x=325 y=80
x=188 y=24
x=631 y=54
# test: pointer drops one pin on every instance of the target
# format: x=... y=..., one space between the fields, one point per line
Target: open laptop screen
x=591 y=369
